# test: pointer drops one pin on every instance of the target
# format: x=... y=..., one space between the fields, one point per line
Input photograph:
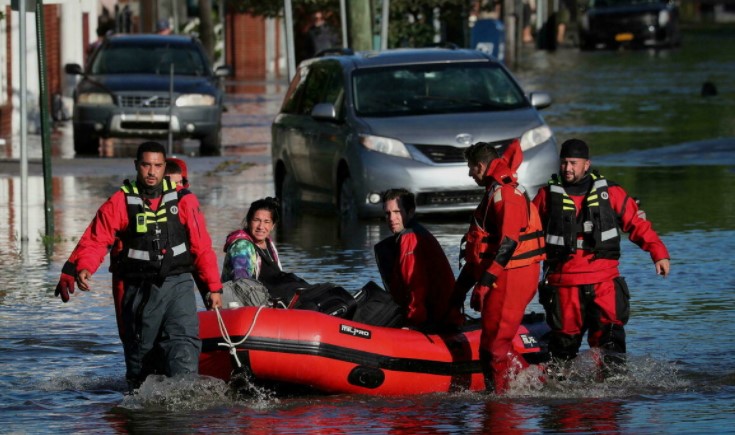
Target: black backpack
x=376 y=307
x=326 y=298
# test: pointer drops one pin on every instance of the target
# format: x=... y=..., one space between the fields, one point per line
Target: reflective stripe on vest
x=565 y=225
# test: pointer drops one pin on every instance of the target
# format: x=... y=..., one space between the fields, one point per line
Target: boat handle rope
x=226 y=336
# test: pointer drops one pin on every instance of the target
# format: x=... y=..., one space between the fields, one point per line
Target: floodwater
x=62 y=364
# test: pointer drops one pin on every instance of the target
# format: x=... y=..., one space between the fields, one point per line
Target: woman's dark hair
x=271 y=204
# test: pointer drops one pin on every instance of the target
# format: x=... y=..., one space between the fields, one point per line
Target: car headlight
x=195 y=100
x=663 y=17
x=95 y=98
x=384 y=145
x=535 y=136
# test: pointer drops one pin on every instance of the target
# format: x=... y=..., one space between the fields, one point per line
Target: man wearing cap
x=583 y=215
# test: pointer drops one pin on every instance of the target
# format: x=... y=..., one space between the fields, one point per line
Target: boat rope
x=226 y=336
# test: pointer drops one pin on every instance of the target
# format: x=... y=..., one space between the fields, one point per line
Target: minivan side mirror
x=324 y=111
x=73 y=69
x=540 y=100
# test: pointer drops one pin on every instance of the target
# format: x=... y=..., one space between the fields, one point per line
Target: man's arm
x=640 y=230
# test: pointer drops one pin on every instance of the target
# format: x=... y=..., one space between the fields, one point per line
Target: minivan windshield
x=148 y=59
x=409 y=90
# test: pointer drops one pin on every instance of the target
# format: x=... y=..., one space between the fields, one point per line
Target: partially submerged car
x=144 y=85
x=353 y=125
x=632 y=23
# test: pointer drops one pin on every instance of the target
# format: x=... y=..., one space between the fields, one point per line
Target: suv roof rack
x=335 y=50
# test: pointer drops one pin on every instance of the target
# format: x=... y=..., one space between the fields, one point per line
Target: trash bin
x=488 y=36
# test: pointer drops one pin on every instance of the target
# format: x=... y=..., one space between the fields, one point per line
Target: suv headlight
x=535 y=136
x=195 y=100
x=95 y=98
x=384 y=145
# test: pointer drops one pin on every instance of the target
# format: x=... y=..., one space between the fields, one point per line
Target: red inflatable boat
x=333 y=355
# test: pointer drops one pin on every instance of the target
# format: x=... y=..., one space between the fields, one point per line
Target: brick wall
x=52 y=33
x=6 y=110
x=245 y=46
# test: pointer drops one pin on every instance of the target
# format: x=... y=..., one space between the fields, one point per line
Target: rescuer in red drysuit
x=583 y=214
x=177 y=171
x=164 y=238
x=503 y=249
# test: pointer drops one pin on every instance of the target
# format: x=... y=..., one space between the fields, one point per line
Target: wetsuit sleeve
x=242 y=260
x=412 y=280
x=99 y=236
x=200 y=243
x=511 y=215
x=633 y=221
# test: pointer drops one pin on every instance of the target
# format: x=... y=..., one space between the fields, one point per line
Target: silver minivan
x=355 y=124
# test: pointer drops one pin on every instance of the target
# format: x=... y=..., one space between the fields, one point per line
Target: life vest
x=155 y=243
x=597 y=222
x=481 y=244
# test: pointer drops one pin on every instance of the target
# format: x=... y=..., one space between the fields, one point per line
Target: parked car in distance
x=353 y=125
x=128 y=89
x=632 y=23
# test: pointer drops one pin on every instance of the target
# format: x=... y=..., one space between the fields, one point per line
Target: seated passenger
x=249 y=251
x=251 y=254
x=414 y=268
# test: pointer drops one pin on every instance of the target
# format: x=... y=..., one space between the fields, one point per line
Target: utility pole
x=510 y=20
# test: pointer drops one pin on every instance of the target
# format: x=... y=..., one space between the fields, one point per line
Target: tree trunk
x=206 y=27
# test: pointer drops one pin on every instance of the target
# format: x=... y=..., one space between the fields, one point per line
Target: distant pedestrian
x=321 y=36
x=163 y=27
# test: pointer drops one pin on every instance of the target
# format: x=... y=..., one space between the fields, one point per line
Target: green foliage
x=410 y=20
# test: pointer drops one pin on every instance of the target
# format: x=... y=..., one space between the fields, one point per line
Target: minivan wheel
x=287 y=194
x=347 y=200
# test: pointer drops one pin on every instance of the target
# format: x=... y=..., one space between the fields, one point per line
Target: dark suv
x=128 y=90
x=355 y=124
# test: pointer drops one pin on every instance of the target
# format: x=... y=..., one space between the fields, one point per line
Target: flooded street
x=649 y=130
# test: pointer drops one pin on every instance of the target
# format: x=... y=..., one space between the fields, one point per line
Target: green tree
x=411 y=21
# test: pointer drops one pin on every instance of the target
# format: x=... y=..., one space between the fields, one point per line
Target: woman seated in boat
x=251 y=254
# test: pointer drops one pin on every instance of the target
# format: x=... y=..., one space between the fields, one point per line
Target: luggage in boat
x=376 y=307
x=326 y=298
x=244 y=292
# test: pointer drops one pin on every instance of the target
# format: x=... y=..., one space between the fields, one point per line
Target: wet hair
x=149 y=147
x=408 y=200
x=271 y=204
x=481 y=152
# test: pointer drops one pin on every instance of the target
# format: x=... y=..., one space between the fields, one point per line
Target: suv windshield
x=431 y=89
x=149 y=59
